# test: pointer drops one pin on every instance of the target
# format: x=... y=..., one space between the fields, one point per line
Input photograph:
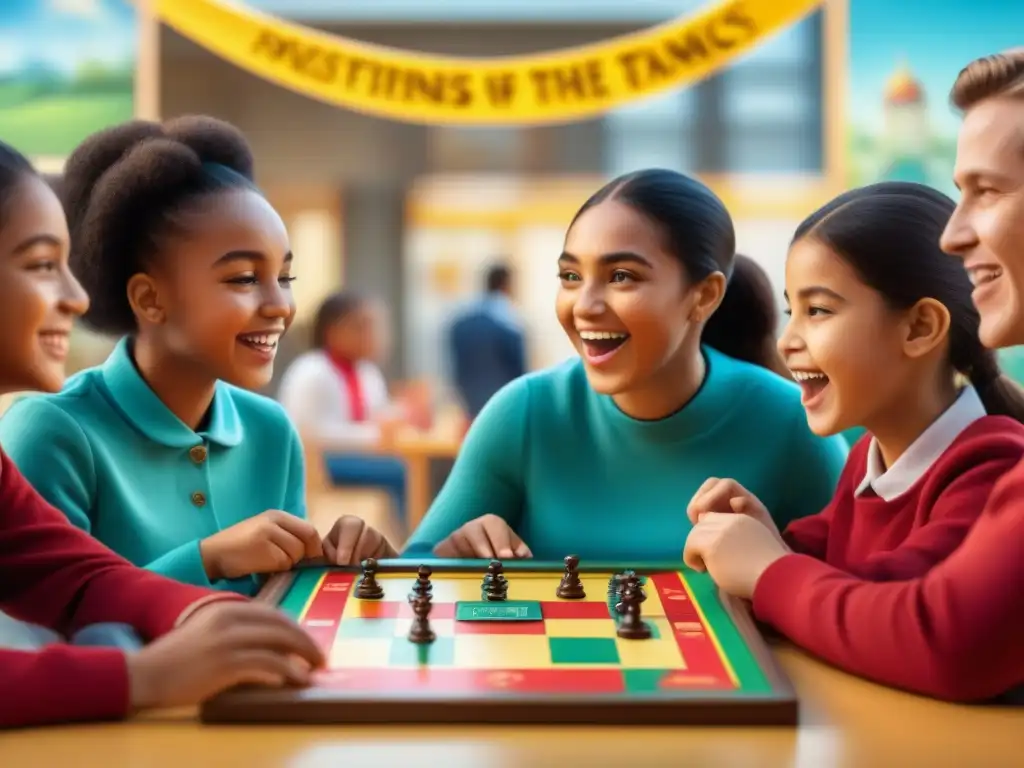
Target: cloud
x=86 y=9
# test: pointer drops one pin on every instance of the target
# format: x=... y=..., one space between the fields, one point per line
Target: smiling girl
x=883 y=335
x=163 y=452
x=56 y=576
x=597 y=457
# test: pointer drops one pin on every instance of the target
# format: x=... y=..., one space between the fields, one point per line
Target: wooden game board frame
x=311 y=705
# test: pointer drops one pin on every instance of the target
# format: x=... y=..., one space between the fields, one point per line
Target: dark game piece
x=631 y=627
x=420 y=631
x=369 y=588
x=422 y=585
x=571 y=588
x=495 y=586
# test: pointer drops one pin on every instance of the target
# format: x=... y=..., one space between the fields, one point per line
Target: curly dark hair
x=124 y=190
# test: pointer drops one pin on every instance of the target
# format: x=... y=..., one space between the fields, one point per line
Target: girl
x=337 y=396
x=883 y=335
x=595 y=457
x=57 y=576
x=162 y=452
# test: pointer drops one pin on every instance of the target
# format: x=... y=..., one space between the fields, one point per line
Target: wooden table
x=846 y=723
x=416 y=450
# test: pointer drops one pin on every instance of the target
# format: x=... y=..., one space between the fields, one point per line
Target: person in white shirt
x=338 y=397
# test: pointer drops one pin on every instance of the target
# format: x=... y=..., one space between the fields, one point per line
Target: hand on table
x=221 y=645
x=725 y=496
x=272 y=541
x=734 y=548
x=488 y=537
x=351 y=541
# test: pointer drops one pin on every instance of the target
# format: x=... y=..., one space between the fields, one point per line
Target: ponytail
x=745 y=324
x=1000 y=395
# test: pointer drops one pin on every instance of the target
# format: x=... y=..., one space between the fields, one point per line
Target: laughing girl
x=883 y=335
x=164 y=453
x=597 y=457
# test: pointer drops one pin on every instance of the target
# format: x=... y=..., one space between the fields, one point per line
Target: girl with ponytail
x=882 y=335
x=676 y=380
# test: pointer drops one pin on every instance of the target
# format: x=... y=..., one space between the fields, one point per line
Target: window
x=761 y=115
x=653 y=133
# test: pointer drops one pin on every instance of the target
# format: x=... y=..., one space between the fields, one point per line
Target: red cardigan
x=55 y=575
x=925 y=592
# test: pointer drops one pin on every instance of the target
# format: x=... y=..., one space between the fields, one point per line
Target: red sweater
x=908 y=593
x=53 y=574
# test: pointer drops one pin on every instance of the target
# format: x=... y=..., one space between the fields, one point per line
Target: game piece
x=369 y=588
x=422 y=585
x=631 y=627
x=571 y=588
x=495 y=586
x=420 y=631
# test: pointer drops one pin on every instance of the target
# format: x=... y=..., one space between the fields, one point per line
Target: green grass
x=55 y=124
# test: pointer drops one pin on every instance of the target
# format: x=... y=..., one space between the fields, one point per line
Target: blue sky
x=935 y=37
x=64 y=32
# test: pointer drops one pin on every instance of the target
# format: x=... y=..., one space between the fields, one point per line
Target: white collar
x=923 y=452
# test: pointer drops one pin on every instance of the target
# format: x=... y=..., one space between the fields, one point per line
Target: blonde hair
x=999 y=74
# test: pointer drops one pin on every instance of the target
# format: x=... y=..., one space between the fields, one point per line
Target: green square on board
x=644 y=680
x=583 y=650
x=440 y=653
x=367 y=628
x=509 y=610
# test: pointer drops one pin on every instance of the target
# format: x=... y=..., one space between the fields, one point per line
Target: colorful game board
x=533 y=658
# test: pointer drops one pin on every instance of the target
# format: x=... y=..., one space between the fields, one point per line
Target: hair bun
x=215 y=141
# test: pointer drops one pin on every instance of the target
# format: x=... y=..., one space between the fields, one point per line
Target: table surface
x=845 y=722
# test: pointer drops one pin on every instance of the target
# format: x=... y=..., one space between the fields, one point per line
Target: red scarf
x=353 y=386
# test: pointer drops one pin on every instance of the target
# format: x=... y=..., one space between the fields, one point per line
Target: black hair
x=889 y=234
x=698 y=231
x=498 y=278
x=14 y=169
x=334 y=309
x=124 y=189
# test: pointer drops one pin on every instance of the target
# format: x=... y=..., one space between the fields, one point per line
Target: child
x=55 y=575
x=163 y=453
x=595 y=457
x=882 y=323
x=336 y=395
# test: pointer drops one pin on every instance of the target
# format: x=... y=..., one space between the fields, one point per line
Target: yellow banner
x=553 y=87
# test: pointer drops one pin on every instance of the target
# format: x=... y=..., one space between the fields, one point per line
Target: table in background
x=845 y=723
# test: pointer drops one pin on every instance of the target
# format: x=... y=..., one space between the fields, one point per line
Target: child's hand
x=221 y=645
x=488 y=537
x=268 y=543
x=734 y=549
x=725 y=496
x=351 y=541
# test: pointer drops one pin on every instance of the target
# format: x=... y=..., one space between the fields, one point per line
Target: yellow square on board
x=660 y=653
x=502 y=652
x=580 y=627
x=543 y=587
x=360 y=652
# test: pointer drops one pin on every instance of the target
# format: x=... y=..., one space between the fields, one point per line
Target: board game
x=520 y=641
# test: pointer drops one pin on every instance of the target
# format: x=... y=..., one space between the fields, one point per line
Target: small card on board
x=509 y=610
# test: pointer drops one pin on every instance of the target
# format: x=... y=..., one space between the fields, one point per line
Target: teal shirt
x=108 y=453
x=572 y=474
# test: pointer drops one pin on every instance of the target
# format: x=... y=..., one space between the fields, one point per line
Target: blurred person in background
x=487 y=343
x=338 y=397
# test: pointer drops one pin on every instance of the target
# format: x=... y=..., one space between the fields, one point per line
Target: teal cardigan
x=573 y=474
x=108 y=453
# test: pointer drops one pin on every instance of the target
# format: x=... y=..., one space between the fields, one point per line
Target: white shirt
x=890 y=484
x=314 y=394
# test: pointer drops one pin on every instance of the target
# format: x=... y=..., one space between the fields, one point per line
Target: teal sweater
x=572 y=474
x=109 y=454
